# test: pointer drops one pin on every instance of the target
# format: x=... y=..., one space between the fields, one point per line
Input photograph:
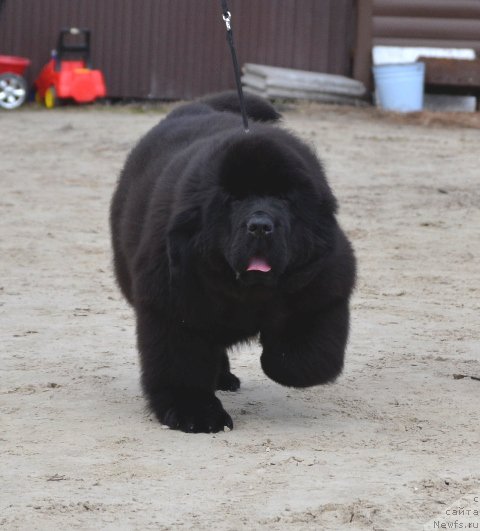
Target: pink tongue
x=258 y=264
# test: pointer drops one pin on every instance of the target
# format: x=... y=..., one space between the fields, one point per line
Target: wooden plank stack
x=284 y=83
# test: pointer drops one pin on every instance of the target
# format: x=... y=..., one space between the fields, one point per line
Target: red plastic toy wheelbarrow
x=13 y=87
x=69 y=74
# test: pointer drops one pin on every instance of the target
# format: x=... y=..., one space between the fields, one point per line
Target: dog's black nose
x=260 y=224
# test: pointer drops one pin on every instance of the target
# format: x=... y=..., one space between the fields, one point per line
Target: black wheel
x=13 y=91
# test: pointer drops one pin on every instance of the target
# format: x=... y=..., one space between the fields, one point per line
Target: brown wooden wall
x=174 y=49
x=431 y=23
x=437 y=23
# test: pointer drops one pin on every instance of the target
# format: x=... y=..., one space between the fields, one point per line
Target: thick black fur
x=197 y=203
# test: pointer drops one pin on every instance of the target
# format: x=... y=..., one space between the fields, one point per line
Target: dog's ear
x=180 y=239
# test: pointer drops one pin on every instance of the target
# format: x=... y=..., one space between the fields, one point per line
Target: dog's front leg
x=179 y=373
x=308 y=349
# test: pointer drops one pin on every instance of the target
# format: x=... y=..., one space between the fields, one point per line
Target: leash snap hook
x=227 y=17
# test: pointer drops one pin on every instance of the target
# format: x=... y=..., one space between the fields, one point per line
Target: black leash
x=227 y=17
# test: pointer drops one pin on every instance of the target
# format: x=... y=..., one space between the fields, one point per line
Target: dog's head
x=272 y=214
x=258 y=243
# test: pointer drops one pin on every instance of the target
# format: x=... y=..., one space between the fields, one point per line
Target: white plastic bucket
x=399 y=87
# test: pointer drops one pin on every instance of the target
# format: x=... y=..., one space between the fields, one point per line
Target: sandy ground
x=391 y=445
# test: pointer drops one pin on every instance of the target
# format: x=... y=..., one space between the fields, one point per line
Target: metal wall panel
x=173 y=49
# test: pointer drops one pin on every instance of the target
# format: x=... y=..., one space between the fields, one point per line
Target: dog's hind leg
x=227 y=381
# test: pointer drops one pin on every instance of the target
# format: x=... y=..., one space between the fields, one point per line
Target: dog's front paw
x=197 y=414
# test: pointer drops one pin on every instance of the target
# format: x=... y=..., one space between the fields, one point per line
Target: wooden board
x=286 y=78
x=275 y=82
x=452 y=72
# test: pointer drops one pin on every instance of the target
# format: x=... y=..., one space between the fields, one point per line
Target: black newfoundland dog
x=219 y=236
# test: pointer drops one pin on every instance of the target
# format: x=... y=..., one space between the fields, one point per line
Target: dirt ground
x=392 y=445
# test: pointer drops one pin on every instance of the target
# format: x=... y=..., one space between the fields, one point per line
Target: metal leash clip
x=227 y=18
